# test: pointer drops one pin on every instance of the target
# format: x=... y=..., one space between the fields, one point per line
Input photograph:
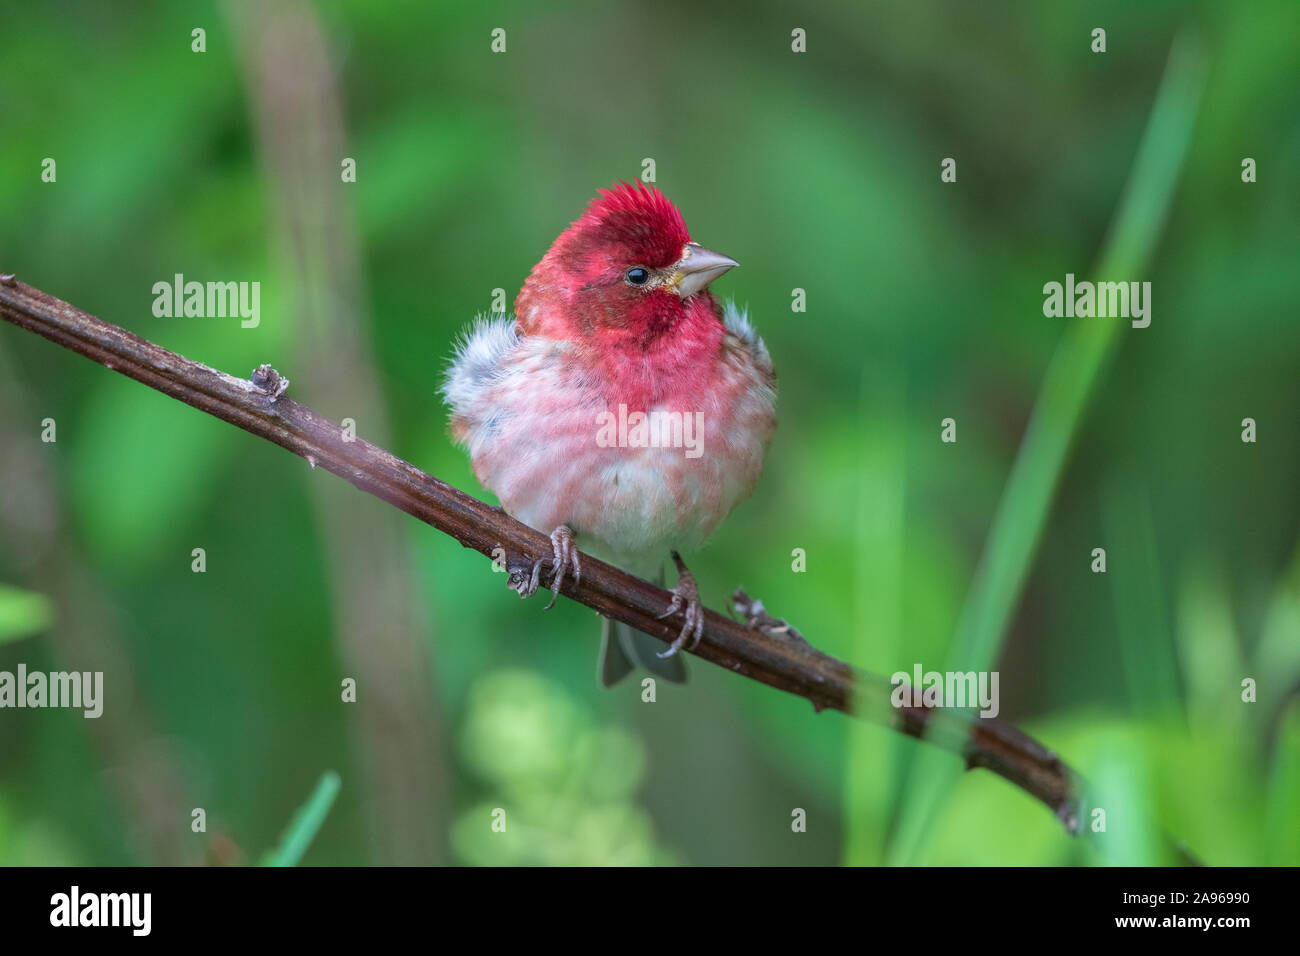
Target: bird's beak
x=698 y=267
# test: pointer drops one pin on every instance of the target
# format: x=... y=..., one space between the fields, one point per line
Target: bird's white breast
x=542 y=436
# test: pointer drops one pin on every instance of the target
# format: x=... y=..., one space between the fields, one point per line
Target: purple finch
x=621 y=405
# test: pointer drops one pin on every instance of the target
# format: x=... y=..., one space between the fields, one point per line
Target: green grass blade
x=305 y=824
x=872 y=753
x=1145 y=640
x=1070 y=378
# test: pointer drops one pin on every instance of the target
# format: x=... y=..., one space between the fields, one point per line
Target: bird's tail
x=622 y=647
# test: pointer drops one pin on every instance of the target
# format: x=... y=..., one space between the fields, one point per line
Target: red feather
x=577 y=289
x=639 y=217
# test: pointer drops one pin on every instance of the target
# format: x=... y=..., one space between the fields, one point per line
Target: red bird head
x=625 y=270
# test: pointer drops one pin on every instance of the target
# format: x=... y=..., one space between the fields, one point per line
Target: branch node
x=524 y=577
x=1069 y=819
x=755 y=616
x=271 y=382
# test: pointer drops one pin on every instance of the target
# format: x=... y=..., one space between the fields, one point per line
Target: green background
x=817 y=171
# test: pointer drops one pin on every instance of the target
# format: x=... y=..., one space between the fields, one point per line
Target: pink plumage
x=622 y=400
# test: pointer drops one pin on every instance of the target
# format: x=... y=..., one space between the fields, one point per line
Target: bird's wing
x=744 y=336
x=478 y=360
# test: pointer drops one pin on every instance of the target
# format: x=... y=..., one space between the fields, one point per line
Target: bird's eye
x=638 y=276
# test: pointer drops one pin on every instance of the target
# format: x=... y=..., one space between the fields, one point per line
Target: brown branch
x=761 y=652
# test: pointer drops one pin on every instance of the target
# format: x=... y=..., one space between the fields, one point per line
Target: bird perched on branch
x=621 y=406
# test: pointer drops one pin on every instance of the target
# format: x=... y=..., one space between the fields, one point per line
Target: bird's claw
x=524 y=579
x=564 y=559
x=686 y=598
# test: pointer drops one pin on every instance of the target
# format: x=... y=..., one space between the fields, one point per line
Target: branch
x=761 y=649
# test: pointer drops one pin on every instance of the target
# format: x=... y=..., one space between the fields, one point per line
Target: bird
x=620 y=405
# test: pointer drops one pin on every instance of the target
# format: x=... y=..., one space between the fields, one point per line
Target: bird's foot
x=564 y=559
x=686 y=598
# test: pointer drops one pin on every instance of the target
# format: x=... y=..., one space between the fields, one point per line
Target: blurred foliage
x=817 y=171
x=562 y=785
x=22 y=613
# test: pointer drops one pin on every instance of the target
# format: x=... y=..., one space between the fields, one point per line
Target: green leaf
x=142 y=466
x=23 y=614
